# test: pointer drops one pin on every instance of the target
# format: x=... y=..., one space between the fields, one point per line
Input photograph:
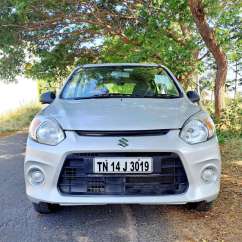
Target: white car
x=122 y=134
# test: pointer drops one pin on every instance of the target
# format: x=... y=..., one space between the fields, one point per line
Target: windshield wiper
x=165 y=96
x=105 y=95
x=156 y=96
x=120 y=95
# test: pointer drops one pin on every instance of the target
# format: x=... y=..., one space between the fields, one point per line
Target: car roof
x=119 y=64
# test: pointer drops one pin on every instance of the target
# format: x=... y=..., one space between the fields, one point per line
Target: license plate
x=123 y=165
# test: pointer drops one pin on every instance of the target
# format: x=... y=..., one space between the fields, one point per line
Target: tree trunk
x=236 y=79
x=209 y=38
x=195 y=73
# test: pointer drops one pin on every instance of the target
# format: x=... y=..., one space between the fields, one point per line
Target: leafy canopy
x=44 y=39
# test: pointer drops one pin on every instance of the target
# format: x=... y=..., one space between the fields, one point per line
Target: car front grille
x=77 y=177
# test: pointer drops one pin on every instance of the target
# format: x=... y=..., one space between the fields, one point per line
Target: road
x=20 y=223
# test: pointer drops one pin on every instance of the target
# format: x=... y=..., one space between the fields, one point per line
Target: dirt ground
x=224 y=221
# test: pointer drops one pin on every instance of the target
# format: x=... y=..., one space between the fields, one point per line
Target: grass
x=18 y=119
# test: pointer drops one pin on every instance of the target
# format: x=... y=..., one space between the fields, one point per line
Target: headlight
x=198 y=129
x=46 y=132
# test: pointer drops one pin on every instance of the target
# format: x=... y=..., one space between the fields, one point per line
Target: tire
x=45 y=208
x=200 y=206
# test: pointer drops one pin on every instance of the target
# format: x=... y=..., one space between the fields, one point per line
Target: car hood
x=114 y=114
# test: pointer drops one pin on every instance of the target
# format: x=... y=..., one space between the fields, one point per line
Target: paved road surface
x=20 y=223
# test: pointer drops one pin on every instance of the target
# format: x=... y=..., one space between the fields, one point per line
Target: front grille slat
x=168 y=177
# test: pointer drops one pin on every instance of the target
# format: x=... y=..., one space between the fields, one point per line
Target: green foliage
x=12 y=47
x=157 y=38
x=45 y=86
x=230 y=124
x=45 y=39
x=154 y=49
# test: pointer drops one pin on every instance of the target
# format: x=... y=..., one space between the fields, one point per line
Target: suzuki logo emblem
x=123 y=142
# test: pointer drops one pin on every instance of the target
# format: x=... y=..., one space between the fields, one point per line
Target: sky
x=14 y=95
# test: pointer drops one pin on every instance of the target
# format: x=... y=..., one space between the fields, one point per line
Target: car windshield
x=120 y=81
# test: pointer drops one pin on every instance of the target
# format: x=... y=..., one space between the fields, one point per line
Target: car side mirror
x=193 y=96
x=47 y=97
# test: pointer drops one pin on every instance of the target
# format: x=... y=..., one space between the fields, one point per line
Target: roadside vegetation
x=18 y=119
x=229 y=126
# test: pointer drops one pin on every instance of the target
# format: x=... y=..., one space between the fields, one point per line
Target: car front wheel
x=200 y=206
x=45 y=208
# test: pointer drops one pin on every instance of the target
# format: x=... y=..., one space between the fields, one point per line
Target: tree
x=163 y=33
x=60 y=33
x=209 y=38
x=44 y=39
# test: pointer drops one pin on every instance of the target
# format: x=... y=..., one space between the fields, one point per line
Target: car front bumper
x=50 y=159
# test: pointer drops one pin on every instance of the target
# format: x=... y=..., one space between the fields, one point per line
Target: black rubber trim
x=122 y=133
